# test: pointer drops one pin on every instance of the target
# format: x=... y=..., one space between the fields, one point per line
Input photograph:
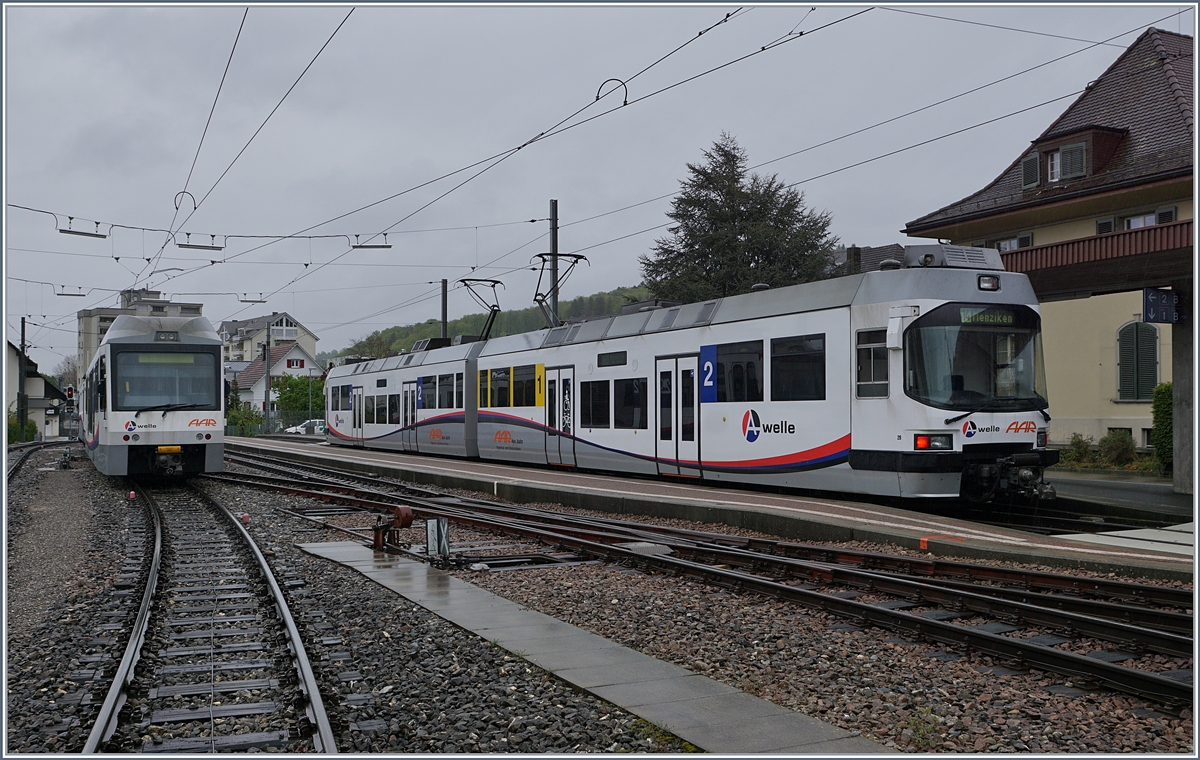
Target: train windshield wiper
x=964 y=415
x=165 y=408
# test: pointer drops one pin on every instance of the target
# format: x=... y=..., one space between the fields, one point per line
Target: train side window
x=739 y=371
x=629 y=404
x=428 y=392
x=499 y=386
x=393 y=405
x=483 y=389
x=458 y=390
x=368 y=410
x=798 y=368
x=872 y=364
x=524 y=386
x=445 y=391
x=593 y=404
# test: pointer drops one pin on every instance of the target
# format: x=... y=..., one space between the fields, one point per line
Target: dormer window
x=1066 y=162
x=1054 y=166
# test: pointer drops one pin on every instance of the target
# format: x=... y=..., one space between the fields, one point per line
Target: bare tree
x=67 y=372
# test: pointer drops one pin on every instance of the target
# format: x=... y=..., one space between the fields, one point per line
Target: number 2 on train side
x=708 y=384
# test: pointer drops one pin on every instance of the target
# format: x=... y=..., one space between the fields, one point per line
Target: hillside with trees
x=393 y=340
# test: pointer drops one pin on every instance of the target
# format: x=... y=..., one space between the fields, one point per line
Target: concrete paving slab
x=709 y=714
x=629 y=667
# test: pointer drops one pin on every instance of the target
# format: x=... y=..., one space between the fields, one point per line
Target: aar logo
x=502 y=436
x=751 y=426
x=131 y=426
x=436 y=434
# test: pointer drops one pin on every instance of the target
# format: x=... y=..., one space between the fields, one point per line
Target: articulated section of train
x=153 y=398
x=923 y=380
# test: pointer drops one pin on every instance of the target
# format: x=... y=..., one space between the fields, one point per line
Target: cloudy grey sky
x=105 y=108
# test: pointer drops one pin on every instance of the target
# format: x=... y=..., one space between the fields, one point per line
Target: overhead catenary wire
x=260 y=128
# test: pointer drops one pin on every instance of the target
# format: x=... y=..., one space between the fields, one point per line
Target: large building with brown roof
x=1097 y=208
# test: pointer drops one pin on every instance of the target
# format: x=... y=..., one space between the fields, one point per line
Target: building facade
x=288 y=359
x=245 y=338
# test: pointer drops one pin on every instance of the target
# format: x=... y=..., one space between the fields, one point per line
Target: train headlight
x=199 y=436
x=989 y=282
x=940 y=442
x=1042 y=435
x=137 y=437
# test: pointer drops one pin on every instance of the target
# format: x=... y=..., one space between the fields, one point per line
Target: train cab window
x=739 y=371
x=445 y=391
x=143 y=379
x=458 y=390
x=871 y=378
x=427 y=392
x=593 y=404
x=524 y=388
x=393 y=406
x=499 y=386
x=629 y=404
x=798 y=368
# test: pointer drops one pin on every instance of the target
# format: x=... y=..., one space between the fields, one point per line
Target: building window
x=1147 y=438
x=1138 y=222
x=1023 y=240
x=1054 y=166
x=1137 y=361
x=299 y=364
x=872 y=378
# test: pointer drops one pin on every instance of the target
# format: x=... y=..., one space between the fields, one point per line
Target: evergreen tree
x=732 y=231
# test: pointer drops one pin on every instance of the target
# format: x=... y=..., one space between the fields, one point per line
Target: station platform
x=801 y=518
x=709 y=714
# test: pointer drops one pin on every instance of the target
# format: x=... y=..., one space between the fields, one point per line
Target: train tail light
x=939 y=442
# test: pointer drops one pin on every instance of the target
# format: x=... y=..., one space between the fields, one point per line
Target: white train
x=153 y=400
x=923 y=380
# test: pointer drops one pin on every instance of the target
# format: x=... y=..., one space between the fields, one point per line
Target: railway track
x=27 y=450
x=214 y=661
x=1027 y=619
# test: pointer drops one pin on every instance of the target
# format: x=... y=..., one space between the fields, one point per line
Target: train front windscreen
x=156 y=379
x=976 y=357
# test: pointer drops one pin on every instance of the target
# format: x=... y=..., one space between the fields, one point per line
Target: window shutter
x=1147 y=360
x=1165 y=215
x=1105 y=226
x=1074 y=160
x=1127 y=362
x=1025 y=240
x=1030 y=171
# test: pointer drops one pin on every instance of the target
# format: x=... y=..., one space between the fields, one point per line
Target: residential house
x=244 y=339
x=288 y=359
x=44 y=401
x=1099 y=207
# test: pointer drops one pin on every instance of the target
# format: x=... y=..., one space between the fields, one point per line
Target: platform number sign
x=1162 y=306
x=708 y=374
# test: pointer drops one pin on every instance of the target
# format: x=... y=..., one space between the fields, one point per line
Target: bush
x=1078 y=450
x=14 y=430
x=1117 y=448
x=1161 y=435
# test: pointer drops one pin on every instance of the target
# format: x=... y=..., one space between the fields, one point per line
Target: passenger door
x=356 y=415
x=408 y=417
x=678 y=437
x=560 y=416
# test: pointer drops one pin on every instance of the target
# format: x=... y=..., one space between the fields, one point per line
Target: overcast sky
x=105 y=108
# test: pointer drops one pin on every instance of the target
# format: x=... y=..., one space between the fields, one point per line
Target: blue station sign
x=1162 y=306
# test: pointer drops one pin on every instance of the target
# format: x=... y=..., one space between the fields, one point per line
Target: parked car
x=311 y=427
